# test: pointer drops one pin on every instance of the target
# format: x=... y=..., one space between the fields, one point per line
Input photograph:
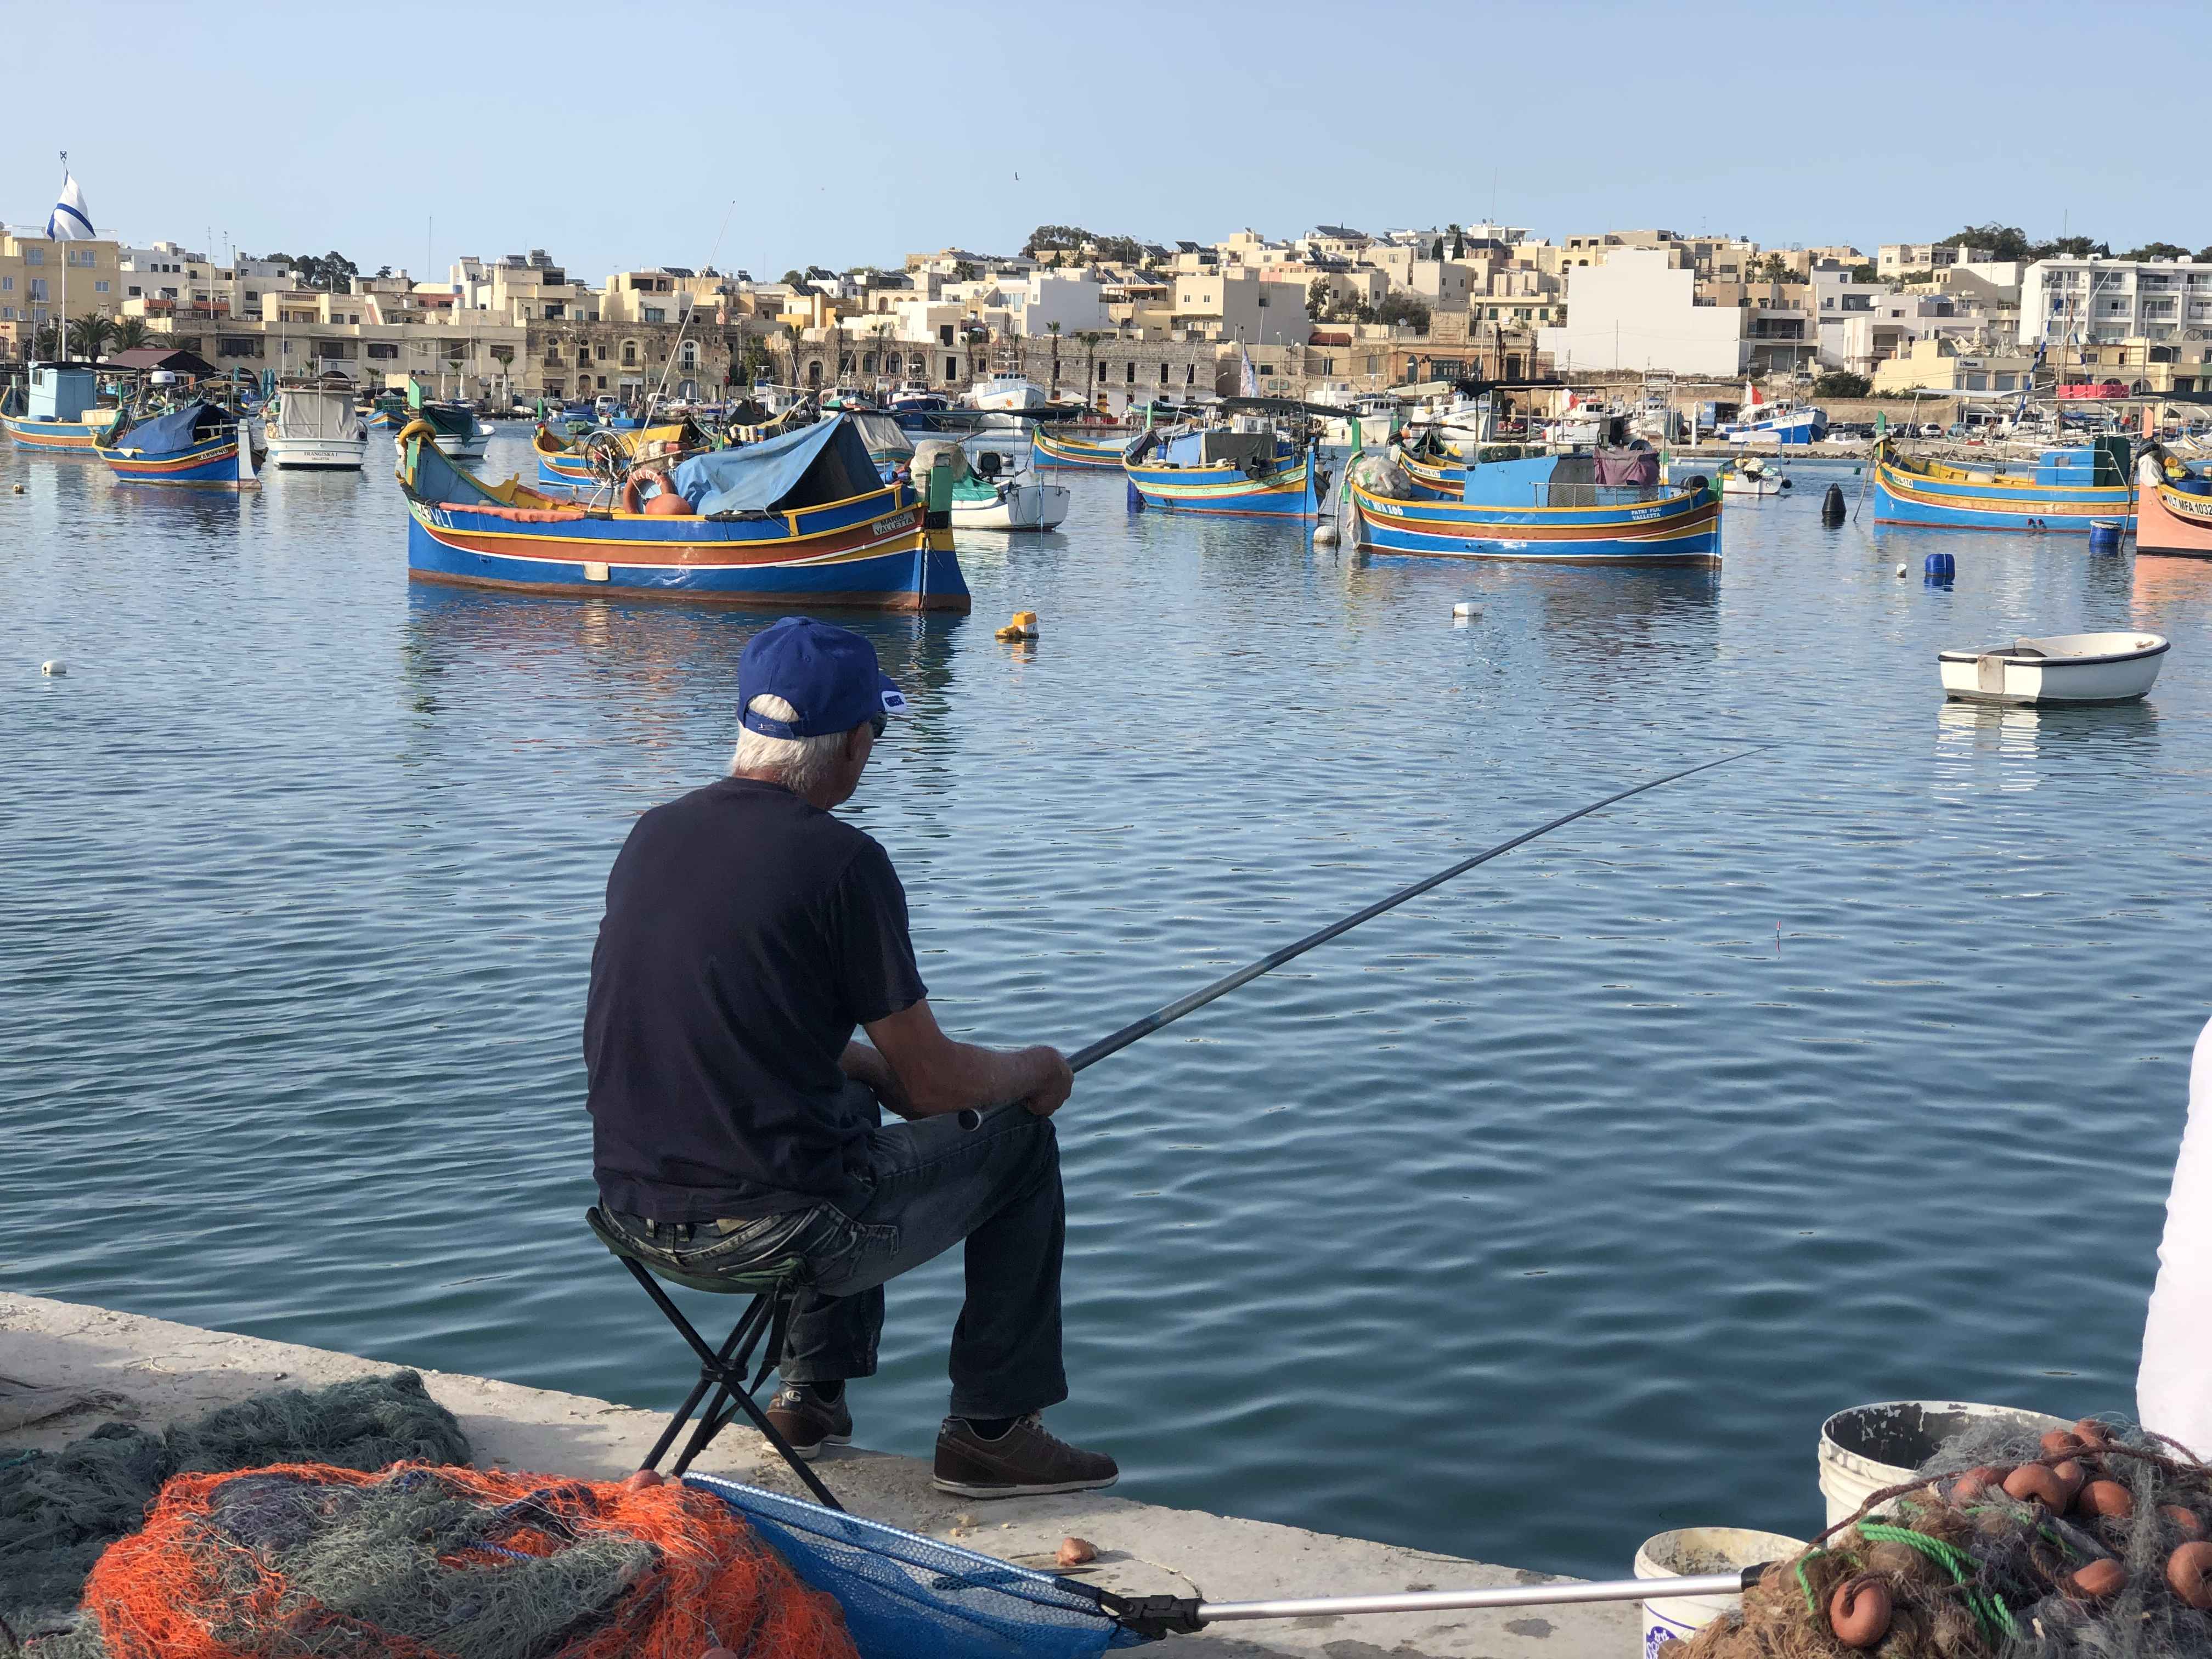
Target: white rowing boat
x=2061 y=668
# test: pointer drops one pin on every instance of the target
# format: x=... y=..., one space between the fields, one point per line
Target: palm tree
x=130 y=333
x=90 y=332
x=1091 y=340
x=1053 y=329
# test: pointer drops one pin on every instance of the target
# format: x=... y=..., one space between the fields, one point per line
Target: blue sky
x=859 y=132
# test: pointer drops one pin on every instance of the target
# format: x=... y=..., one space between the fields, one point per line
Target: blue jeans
x=931 y=1184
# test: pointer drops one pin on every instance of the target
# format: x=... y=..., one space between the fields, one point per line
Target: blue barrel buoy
x=1832 y=506
x=1940 y=564
x=1136 y=500
x=2104 y=535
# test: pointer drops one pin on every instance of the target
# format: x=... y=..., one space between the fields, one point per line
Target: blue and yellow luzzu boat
x=1062 y=449
x=197 y=444
x=1549 y=509
x=1252 y=474
x=2068 y=488
x=59 y=411
x=801 y=520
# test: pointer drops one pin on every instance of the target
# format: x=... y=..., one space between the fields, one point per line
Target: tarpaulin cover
x=1628 y=467
x=173 y=433
x=904 y=1594
x=1511 y=483
x=753 y=478
x=316 y=414
x=883 y=436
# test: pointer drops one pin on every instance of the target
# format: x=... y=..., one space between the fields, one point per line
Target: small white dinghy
x=1753 y=476
x=2061 y=668
x=1015 y=503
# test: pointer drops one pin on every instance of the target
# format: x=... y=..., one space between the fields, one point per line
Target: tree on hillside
x=89 y=334
x=1841 y=383
x=332 y=272
x=962 y=271
x=1317 y=297
x=2156 y=251
x=130 y=333
x=1436 y=249
x=1459 y=242
x=2003 y=241
x=1047 y=239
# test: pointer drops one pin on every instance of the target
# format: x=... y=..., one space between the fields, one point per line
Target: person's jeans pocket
x=844 y=1255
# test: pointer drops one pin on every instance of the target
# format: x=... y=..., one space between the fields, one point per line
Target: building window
x=602 y=355
x=1102 y=374
x=603 y=383
x=1133 y=374
x=382 y=348
x=37 y=288
x=34 y=256
x=8 y=285
x=951 y=368
x=655 y=314
x=100 y=288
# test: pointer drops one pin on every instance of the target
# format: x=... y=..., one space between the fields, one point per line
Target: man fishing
x=736 y=1119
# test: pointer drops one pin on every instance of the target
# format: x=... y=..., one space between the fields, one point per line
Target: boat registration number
x=1646 y=512
x=886 y=526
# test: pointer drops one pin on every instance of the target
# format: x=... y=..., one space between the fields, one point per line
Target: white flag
x=70 y=221
x=1249 y=383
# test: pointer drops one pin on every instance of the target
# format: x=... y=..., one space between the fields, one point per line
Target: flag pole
x=61 y=331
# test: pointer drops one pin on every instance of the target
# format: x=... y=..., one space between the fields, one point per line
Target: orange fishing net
x=434 y=1562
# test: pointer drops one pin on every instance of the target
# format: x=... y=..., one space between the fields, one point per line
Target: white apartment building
x=2095 y=301
x=1638 y=310
x=1895 y=259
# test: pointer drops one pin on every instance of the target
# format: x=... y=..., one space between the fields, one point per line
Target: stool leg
x=712 y=1362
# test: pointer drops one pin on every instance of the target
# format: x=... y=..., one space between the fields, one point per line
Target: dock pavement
x=65 y=1367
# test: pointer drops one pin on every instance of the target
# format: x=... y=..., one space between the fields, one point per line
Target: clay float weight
x=1859 y=1612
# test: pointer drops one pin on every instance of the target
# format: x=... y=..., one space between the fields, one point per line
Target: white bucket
x=1870 y=1447
x=1698 y=1550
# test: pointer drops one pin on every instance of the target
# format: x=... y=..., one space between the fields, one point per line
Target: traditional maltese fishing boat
x=199 y=444
x=802 y=518
x=59 y=411
x=2173 y=509
x=1251 y=473
x=571 y=459
x=1607 y=508
x=1049 y=448
x=2068 y=488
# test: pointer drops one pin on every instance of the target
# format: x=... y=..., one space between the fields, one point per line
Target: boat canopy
x=883 y=436
x=175 y=432
x=309 y=414
x=826 y=461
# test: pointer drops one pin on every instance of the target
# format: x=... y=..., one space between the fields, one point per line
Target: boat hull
x=1903 y=497
x=901 y=572
x=1999 y=677
x=1046 y=450
x=1023 y=506
x=1682 y=530
x=2170 y=520
x=76 y=437
x=317 y=454
x=1227 y=491
x=213 y=462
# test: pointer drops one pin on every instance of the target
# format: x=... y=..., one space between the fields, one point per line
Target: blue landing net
x=906 y=1596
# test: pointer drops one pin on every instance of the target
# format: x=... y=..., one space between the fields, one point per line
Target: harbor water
x=1552 y=1211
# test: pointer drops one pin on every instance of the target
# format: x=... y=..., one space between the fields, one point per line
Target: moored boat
x=2068 y=488
x=60 y=410
x=1006 y=389
x=1779 y=423
x=2060 y=668
x=801 y=518
x=1251 y=472
x=312 y=430
x=201 y=443
x=1067 y=449
x=2173 y=512
x=1752 y=478
x=985 y=500
x=1567 y=509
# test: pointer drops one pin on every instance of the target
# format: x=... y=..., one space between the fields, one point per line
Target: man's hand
x=1055 y=1081
x=939 y=1075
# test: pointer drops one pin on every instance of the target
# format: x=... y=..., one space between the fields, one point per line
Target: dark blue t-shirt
x=747 y=933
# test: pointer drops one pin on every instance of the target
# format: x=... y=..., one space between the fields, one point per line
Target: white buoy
x=1467 y=608
x=1900 y=570
x=57 y=666
x=1325 y=534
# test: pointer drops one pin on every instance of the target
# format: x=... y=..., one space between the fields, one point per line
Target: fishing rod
x=1198 y=998
x=1157 y=1616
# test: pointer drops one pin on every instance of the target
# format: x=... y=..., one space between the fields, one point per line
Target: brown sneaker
x=808 y=1421
x=1026 y=1461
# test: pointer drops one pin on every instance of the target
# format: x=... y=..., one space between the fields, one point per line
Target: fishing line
x=1175 y=1011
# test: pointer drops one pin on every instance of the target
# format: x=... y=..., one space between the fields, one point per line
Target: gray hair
x=797 y=764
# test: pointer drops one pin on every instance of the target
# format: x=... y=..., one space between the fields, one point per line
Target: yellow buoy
x=1022 y=627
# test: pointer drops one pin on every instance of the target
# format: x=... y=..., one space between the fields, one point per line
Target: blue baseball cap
x=829 y=674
